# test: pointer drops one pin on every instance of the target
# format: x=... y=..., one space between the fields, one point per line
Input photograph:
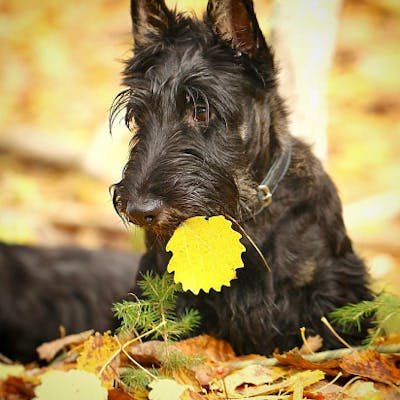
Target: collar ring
x=265 y=195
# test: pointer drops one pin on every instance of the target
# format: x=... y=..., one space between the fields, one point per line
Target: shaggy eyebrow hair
x=185 y=78
x=135 y=100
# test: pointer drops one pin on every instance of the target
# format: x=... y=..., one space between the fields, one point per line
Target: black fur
x=208 y=124
x=44 y=288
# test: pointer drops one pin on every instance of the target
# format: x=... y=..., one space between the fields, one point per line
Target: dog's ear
x=150 y=18
x=235 y=21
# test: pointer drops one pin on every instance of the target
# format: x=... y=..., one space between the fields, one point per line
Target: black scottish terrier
x=211 y=138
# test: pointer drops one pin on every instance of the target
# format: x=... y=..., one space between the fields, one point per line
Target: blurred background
x=60 y=70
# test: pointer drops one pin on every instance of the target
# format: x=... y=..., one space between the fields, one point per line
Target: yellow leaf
x=162 y=389
x=364 y=391
x=48 y=350
x=307 y=378
x=100 y=355
x=77 y=385
x=246 y=385
x=206 y=253
x=254 y=375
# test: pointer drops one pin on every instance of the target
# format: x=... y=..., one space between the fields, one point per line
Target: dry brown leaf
x=371 y=364
x=146 y=353
x=295 y=359
x=216 y=353
x=213 y=349
x=119 y=394
x=17 y=389
x=324 y=390
x=48 y=350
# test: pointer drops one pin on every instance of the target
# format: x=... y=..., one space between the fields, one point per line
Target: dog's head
x=201 y=102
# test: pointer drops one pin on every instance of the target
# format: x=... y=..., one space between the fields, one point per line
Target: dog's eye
x=200 y=114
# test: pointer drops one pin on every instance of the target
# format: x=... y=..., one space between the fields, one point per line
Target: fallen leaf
x=100 y=354
x=147 y=353
x=371 y=364
x=118 y=394
x=190 y=395
x=48 y=350
x=324 y=390
x=16 y=388
x=388 y=392
x=298 y=390
x=305 y=379
x=330 y=391
x=295 y=359
x=205 y=374
x=254 y=375
x=162 y=389
x=74 y=384
x=206 y=253
x=216 y=353
x=293 y=383
x=187 y=378
x=216 y=350
x=391 y=339
x=10 y=370
x=364 y=391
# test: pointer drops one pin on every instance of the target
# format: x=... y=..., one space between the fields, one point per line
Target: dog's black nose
x=144 y=212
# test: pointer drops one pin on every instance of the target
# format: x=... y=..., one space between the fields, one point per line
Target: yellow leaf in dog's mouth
x=206 y=253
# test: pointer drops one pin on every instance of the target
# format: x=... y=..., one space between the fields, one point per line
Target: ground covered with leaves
x=98 y=367
x=124 y=366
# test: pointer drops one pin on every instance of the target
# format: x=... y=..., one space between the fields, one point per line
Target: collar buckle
x=265 y=195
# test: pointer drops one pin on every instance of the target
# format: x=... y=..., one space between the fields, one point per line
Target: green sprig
x=383 y=309
x=156 y=311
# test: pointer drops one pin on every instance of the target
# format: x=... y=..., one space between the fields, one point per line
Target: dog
x=210 y=137
x=44 y=288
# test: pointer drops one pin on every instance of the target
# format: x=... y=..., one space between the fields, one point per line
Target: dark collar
x=273 y=177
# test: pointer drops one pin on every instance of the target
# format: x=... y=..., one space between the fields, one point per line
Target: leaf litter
x=359 y=375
